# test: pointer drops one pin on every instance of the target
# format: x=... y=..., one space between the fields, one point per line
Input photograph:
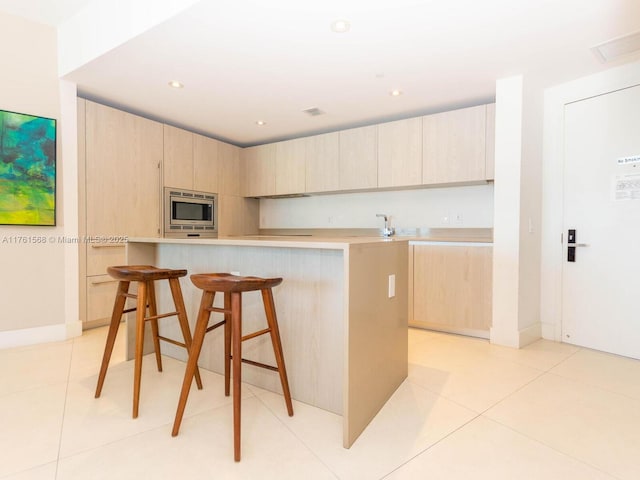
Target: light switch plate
x=392 y=286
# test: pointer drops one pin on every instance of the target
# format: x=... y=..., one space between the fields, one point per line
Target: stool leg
x=194 y=353
x=227 y=343
x=236 y=333
x=140 y=315
x=116 y=316
x=176 y=293
x=270 y=311
x=153 y=311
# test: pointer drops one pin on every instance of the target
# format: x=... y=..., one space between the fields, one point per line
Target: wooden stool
x=232 y=286
x=145 y=275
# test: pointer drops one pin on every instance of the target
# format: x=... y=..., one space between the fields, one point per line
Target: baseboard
x=530 y=335
x=33 y=336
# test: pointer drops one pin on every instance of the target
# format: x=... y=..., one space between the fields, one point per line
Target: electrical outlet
x=392 y=285
x=458 y=219
x=445 y=219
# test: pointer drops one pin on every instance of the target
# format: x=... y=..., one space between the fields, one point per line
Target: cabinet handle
x=100 y=282
x=108 y=245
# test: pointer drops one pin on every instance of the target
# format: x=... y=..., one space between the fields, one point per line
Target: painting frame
x=28 y=169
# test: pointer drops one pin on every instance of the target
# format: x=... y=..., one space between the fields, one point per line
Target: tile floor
x=468 y=410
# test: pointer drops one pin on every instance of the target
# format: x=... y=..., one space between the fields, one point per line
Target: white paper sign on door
x=626 y=187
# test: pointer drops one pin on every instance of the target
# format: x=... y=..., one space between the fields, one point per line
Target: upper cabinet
x=178 y=158
x=444 y=148
x=454 y=147
x=259 y=170
x=190 y=160
x=123 y=156
x=290 y=166
x=206 y=176
x=400 y=153
x=358 y=158
x=322 y=163
x=490 y=142
x=228 y=169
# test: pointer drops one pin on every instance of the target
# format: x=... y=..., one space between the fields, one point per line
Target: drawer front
x=99 y=257
x=101 y=293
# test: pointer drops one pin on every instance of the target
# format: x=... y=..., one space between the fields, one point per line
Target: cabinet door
x=452 y=288
x=454 y=146
x=322 y=163
x=290 y=166
x=359 y=158
x=205 y=164
x=228 y=169
x=123 y=155
x=178 y=158
x=259 y=170
x=400 y=153
x=490 y=142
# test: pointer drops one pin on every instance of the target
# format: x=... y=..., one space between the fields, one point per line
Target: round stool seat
x=225 y=282
x=143 y=273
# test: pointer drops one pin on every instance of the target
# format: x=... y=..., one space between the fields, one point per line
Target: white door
x=601 y=288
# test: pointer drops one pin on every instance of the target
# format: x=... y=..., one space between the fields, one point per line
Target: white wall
x=516 y=250
x=32 y=280
x=419 y=208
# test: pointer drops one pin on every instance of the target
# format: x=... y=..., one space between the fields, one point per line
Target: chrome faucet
x=387 y=231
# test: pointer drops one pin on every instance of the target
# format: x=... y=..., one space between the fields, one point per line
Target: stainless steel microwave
x=190 y=214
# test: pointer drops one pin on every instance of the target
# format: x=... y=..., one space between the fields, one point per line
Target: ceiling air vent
x=611 y=50
x=313 y=111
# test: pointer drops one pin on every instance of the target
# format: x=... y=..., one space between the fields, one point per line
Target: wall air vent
x=618 y=47
x=313 y=111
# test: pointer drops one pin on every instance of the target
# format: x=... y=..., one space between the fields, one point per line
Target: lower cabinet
x=451 y=287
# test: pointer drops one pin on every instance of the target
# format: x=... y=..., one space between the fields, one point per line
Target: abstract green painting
x=27 y=169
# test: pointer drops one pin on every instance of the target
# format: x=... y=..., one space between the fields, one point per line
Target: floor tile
x=43 y=472
x=605 y=370
x=596 y=426
x=31 y=422
x=86 y=356
x=35 y=366
x=468 y=374
x=411 y=421
x=91 y=422
x=484 y=449
x=203 y=450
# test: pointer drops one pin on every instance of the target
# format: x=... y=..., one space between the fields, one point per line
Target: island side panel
x=309 y=306
x=377 y=332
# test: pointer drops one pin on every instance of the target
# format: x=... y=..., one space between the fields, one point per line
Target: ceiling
x=247 y=60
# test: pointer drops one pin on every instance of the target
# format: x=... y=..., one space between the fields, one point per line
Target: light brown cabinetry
x=322 y=163
x=119 y=195
x=123 y=156
x=358 y=158
x=178 y=158
x=490 y=151
x=290 y=166
x=205 y=164
x=454 y=146
x=451 y=288
x=259 y=170
x=400 y=153
x=190 y=160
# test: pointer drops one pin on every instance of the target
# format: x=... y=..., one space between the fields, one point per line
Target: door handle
x=571 y=245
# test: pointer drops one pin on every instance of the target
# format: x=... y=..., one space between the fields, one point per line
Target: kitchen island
x=342 y=312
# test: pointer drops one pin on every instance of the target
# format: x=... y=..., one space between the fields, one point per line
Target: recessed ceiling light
x=340 y=26
x=176 y=84
x=395 y=93
x=261 y=123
